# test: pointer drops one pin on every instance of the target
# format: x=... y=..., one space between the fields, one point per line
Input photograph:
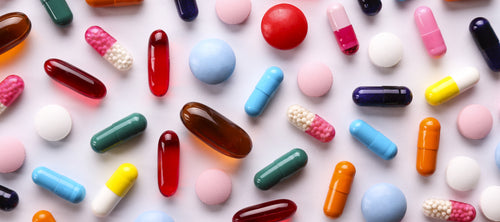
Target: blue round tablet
x=383 y=202
x=154 y=216
x=497 y=156
x=212 y=61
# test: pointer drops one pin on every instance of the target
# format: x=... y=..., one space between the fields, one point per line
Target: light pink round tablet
x=213 y=187
x=233 y=11
x=474 y=122
x=315 y=79
x=12 y=154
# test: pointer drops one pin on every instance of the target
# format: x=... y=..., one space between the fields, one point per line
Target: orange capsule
x=428 y=144
x=340 y=186
x=43 y=216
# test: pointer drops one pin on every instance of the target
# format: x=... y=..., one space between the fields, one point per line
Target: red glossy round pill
x=284 y=26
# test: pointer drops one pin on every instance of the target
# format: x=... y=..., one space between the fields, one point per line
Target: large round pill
x=154 y=216
x=233 y=11
x=489 y=202
x=12 y=154
x=284 y=26
x=385 y=50
x=462 y=173
x=212 y=61
x=315 y=79
x=474 y=122
x=383 y=202
x=53 y=122
x=213 y=187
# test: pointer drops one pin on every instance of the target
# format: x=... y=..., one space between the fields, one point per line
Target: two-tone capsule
x=340 y=187
x=427 y=146
x=342 y=29
x=120 y=131
x=264 y=91
x=310 y=123
x=385 y=96
x=451 y=86
x=8 y=199
x=187 y=9
x=168 y=163
x=10 y=88
x=158 y=63
x=370 y=7
x=14 y=28
x=59 y=11
x=448 y=210
x=43 y=216
x=112 y=3
x=274 y=210
x=109 y=48
x=280 y=169
x=487 y=41
x=429 y=31
x=373 y=139
x=58 y=184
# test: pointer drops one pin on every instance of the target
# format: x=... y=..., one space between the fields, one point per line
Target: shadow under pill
x=466 y=4
x=124 y=11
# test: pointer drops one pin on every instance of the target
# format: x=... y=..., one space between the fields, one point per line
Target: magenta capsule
x=158 y=63
x=271 y=211
x=10 y=88
x=108 y=48
x=310 y=123
x=449 y=210
x=429 y=31
x=342 y=29
x=168 y=163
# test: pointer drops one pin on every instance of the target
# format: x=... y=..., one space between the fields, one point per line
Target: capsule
x=274 y=210
x=385 y=96
x=370 y=7
x=216 y=130
x=75 y=78
x=339 y=189
x=429 y=31
x=108 y=48
x=8 y=199
x=310 y=123
x=14 y=28
x=342 y=29
x=451 y=86
x=43 y=216
x=373 y=139
x=428 y=145
x=58 y=184
x=112 y=3
x=187 y=9
x=158 y=63
x=168 y=163
x=10 y=88
x=280 y=169
x=120 y=131
x=264 y=91
x=59 y=11
x=487 y=42
x=449 y=210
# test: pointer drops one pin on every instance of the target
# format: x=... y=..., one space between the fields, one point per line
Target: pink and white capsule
x=109 y=48
x=342 y=29
x=310 y=123
x=10 y=88
x=429 y=31
x=449 y=210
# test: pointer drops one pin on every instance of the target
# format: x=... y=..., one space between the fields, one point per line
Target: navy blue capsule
x=370 y=7
x=487 y=42
x=386 y=96
x=8 y=199
x=188 y=10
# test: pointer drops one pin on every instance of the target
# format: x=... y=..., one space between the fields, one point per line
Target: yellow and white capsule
x=451 y=86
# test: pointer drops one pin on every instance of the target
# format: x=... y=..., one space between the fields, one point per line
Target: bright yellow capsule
x=451 y=86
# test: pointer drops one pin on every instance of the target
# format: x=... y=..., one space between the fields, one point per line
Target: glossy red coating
x=271 y=211
x=168 y=163
x=284 y=26
x=158 y=63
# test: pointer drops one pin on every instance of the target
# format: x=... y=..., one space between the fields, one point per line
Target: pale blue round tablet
x=212 y=61
x=154 y=216
x=383 y=202
x=497 y=156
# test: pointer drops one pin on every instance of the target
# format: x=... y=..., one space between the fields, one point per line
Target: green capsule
x=280 y=169
x=120 y=131
x=59 y=11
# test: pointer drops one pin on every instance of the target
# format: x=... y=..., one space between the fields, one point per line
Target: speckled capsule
x=109 y=48
x=310 y=123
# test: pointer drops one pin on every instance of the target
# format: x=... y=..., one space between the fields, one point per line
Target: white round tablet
x=385 y=50
x=489 y=202
x=462 y=173
x=53 y=122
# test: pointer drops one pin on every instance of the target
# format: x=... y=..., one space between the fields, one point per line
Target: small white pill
x=53 y=122
x=489 y=202
x=385 y=50
x=462 y=173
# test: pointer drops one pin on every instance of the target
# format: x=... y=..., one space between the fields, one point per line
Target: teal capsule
x=120 y=131
x=59 y=11
x=280 y=169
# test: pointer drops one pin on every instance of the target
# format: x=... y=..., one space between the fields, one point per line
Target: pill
x=384 y=96
x=168 y=163
x=115 y=189
x=429 y=31
x=310 y=123
x=213 y=187
x=340 y=187
x=58 y=184
x=448 y=210
x=212 y=61
x=264 y=91
x=487 y=42
x=43 y=216
x=373 y=139
x=154 y=216
x=315 y=79
x=14 y=28
x=13 y=154
x=385 y=50
x=383 y=202
x=109 y=48
x=10 y=88
x=8 y=199
x=497 y=156
x=187 y=9
x=427 y=146
x=342 y=29
x=120 y=131
x=75 y=78
x=280 y=169
x=59 y=11
x=216 y=130
x=158 y=63
x=462 y=173
x=474 y=122
x=451 y=86
x=233 y=12
x=53 y=122
x=489 y=202
x=284 y=26
x=112 y=3
x=274 y=210
x=370 y=7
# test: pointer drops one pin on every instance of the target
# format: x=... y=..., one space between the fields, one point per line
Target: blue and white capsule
x=264 y=91
x=58 y=184
x=373 y=139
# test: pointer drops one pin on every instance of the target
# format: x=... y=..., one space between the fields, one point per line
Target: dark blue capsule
x=487 y=42
x=188 y=10
x=370 y=7
x=386 y=96
x=8 y=199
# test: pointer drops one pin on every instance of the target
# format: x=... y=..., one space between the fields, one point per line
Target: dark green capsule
x=120 y=131
x=280 y=169
x=59 y=11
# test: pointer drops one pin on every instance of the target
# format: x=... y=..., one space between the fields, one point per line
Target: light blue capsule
x=154 y=216
x=373 y=139
x=497 y=156
x=58 y=184
x=265 y=89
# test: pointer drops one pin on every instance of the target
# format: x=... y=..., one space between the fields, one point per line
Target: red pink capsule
x=158 y=63
x=168 y=163
x=271 y=211
x=429 y=31
x=342 y=29
x=109 y=48
x=10 y=88
x=310 y=123
x=449 y=210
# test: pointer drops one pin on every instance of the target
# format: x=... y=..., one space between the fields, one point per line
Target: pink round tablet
x=315 y=79
x=233 y=11
x=474 y=122
x=12 y=154
x=213 y=187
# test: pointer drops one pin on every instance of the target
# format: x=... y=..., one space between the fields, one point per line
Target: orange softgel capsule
x=14 y=28
x=428 y=144
x=340 y=186
x=112 y=3
x=43 y=216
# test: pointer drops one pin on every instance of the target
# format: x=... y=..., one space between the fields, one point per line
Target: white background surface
x=272 y=135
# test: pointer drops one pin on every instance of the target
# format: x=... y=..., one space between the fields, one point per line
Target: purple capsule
x=385 y=96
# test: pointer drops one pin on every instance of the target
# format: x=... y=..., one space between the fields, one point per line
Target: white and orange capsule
x=109 y=48
x=449 y=210
x=310 y=123
x=10 y=88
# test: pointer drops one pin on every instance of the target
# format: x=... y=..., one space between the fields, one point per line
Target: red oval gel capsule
x=158 y=63
x=272 y=211
x=168 y=163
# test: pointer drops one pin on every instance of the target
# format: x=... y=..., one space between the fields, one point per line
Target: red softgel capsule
x=158 y=63
x=168 y=163
x=284 y=26
x=271 y=211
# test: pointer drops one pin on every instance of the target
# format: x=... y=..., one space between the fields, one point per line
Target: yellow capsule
x=451 y=86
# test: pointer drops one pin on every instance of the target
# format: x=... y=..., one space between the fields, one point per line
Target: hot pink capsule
x=109 y=48
x=10 y=88
x=310 y=123
x=342 y=29
x=429 y=31
x=449 y=210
